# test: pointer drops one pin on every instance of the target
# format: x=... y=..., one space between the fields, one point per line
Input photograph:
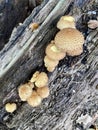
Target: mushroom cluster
x=53 y=55
x=35 y=90
x=68 y=41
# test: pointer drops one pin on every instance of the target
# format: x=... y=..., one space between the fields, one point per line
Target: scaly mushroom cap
x=43 y=92
x=10 y=107
x=75 y=52
x=54 y=53
x=66 y=22
x=49 y=62
x=68 y=39
x=34 y=100
x=50 y=69
x=25 y=91
x=42 y=80
x=34 y=77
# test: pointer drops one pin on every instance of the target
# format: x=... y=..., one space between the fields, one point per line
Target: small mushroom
x=50 y=69
x=42 y=80
x=43 y=92
x=10 y=107
x=33 y=26
x=25 y=91
x=93 y=24
x=66 y=22
x=49 y=62
x=34 y=100
x=54 y=53
x=69 y=40
x=34 y=77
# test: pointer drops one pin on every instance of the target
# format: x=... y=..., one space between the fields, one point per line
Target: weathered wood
x=13 y=12
x=72 y=84
x=28 y=46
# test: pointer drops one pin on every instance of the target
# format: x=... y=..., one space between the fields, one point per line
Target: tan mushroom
x=69 y=40
x=75 y=52
x=43 y=92
x=49 y=62
x=34 y=77
x=10 y=107
x=34 y=100
x=50 y=69
x=33 y=26
x=25 y=91
x=54 y=53
x=66 y=22
x=42 y=80
x=93 y=24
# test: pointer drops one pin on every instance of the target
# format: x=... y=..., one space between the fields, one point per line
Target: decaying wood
x=13 y=12
x=73 y=84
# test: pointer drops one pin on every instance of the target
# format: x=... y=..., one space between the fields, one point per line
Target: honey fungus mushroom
x=35 y=76
x=93 y=24
x=50 y=64
x=42 y=80
x=25 y=91
x=54 y=53
x=50 y=69
x=70 y=40
x=43 y=92
x=33 y=26
x=34 y=100
x=66 y=21
x=10 y=107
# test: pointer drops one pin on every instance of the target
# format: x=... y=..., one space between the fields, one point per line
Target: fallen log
x=73 y=84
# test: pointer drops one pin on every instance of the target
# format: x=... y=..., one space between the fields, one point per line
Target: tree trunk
x=72 y=104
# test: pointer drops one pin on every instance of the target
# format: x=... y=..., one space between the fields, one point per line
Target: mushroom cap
x=42 y=80
x=43 y=92
x=93 y=24
x=68 y=18
x=25 y=91
x=49 y=62
x=76 y=51
x=10 y=107
x=68 y=39
x=34 y=77
x=66 y=22
x=54 y=53
x=50 y=69
x=34 y=100
x=33 y=26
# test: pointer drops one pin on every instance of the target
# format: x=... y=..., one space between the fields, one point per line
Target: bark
x=72 y=104
x=13 y=12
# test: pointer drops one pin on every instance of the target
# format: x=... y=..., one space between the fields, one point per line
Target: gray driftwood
x=73 y=100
